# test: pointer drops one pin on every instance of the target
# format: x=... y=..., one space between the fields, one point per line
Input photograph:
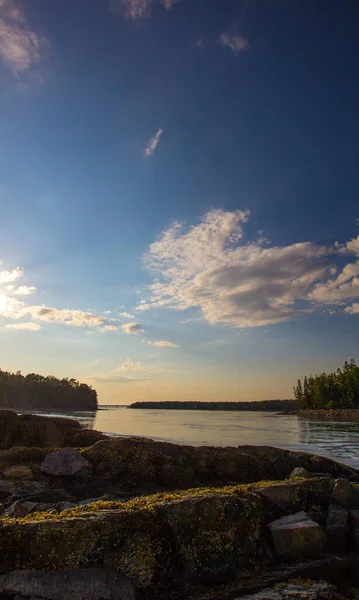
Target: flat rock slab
x=64 y=463
x=82 y=584
x=297 y=535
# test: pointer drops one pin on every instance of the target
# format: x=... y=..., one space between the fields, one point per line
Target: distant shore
x=260 y=405
x=329 y=415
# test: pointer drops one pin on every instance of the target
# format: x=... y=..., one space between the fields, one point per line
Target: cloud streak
x=24 y=326
x=152 y=144
x=163 y=344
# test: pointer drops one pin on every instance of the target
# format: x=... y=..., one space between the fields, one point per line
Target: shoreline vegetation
x=37 y=392
x=101 y=517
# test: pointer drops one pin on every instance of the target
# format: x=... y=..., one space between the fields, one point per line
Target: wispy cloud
x=163 y=344
x=110 y=378
x=244 y=284
x=20 y=46
x=24 y=326
x=152 y=144
x=132 y=328
x=236 y=43
x=137 y=9
x=126 y=315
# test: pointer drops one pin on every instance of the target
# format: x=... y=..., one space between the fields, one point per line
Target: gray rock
x=82 y=584
x=337 y=527
x=64 y=463
x=20 y=509
x=300 y=472
x=297 y=535
x=345 y=494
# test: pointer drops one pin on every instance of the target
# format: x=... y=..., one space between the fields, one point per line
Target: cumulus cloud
x=24 y=326
x=133 y=328
x=7 y=276
x=20 y=47
x=163 y=344
x=152 y=144
x=345 y=285
x=236 y=43
x=208 y=266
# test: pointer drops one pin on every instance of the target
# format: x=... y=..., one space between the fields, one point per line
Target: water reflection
x=340 y=439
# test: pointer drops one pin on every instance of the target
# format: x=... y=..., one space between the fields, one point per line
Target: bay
x=337 y=440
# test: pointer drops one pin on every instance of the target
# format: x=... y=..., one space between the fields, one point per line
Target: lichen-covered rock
x=337 y=527
x=18 y=472
x=64 y=463
x=297 y=535
x=215 y=535
x=87 y=437
x=290 y=496
x=82 y=584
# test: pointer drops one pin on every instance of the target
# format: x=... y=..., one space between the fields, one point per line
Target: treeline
x=337 y=390
x=265 y=405
x=36 y=392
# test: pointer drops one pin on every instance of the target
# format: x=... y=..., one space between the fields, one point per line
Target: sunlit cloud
x=163 y=344
x=132 y=328
x=22 y=290
x=23 y=326
x=20 y=46
x=126 y=315
x=7 y=276
x=152 y=144
x=109 y=328
x=236 y=43
x=243 y=284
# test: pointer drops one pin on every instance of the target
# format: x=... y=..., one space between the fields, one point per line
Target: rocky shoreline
x=89 y=517
x=329 y=415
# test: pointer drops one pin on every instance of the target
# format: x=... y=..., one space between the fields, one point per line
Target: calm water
x=339 y=441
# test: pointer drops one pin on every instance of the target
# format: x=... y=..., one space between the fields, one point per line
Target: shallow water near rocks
x=337 y=440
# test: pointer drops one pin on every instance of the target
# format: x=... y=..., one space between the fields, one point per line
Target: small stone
x=64 y=463
x=337 y=527
x=18 y=472
x=297 y=535
x=300 y=472
x=345 y=494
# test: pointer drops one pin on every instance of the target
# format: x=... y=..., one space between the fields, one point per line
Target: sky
x=179 y=194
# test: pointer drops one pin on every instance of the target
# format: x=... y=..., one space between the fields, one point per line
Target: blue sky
x=179 y=194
